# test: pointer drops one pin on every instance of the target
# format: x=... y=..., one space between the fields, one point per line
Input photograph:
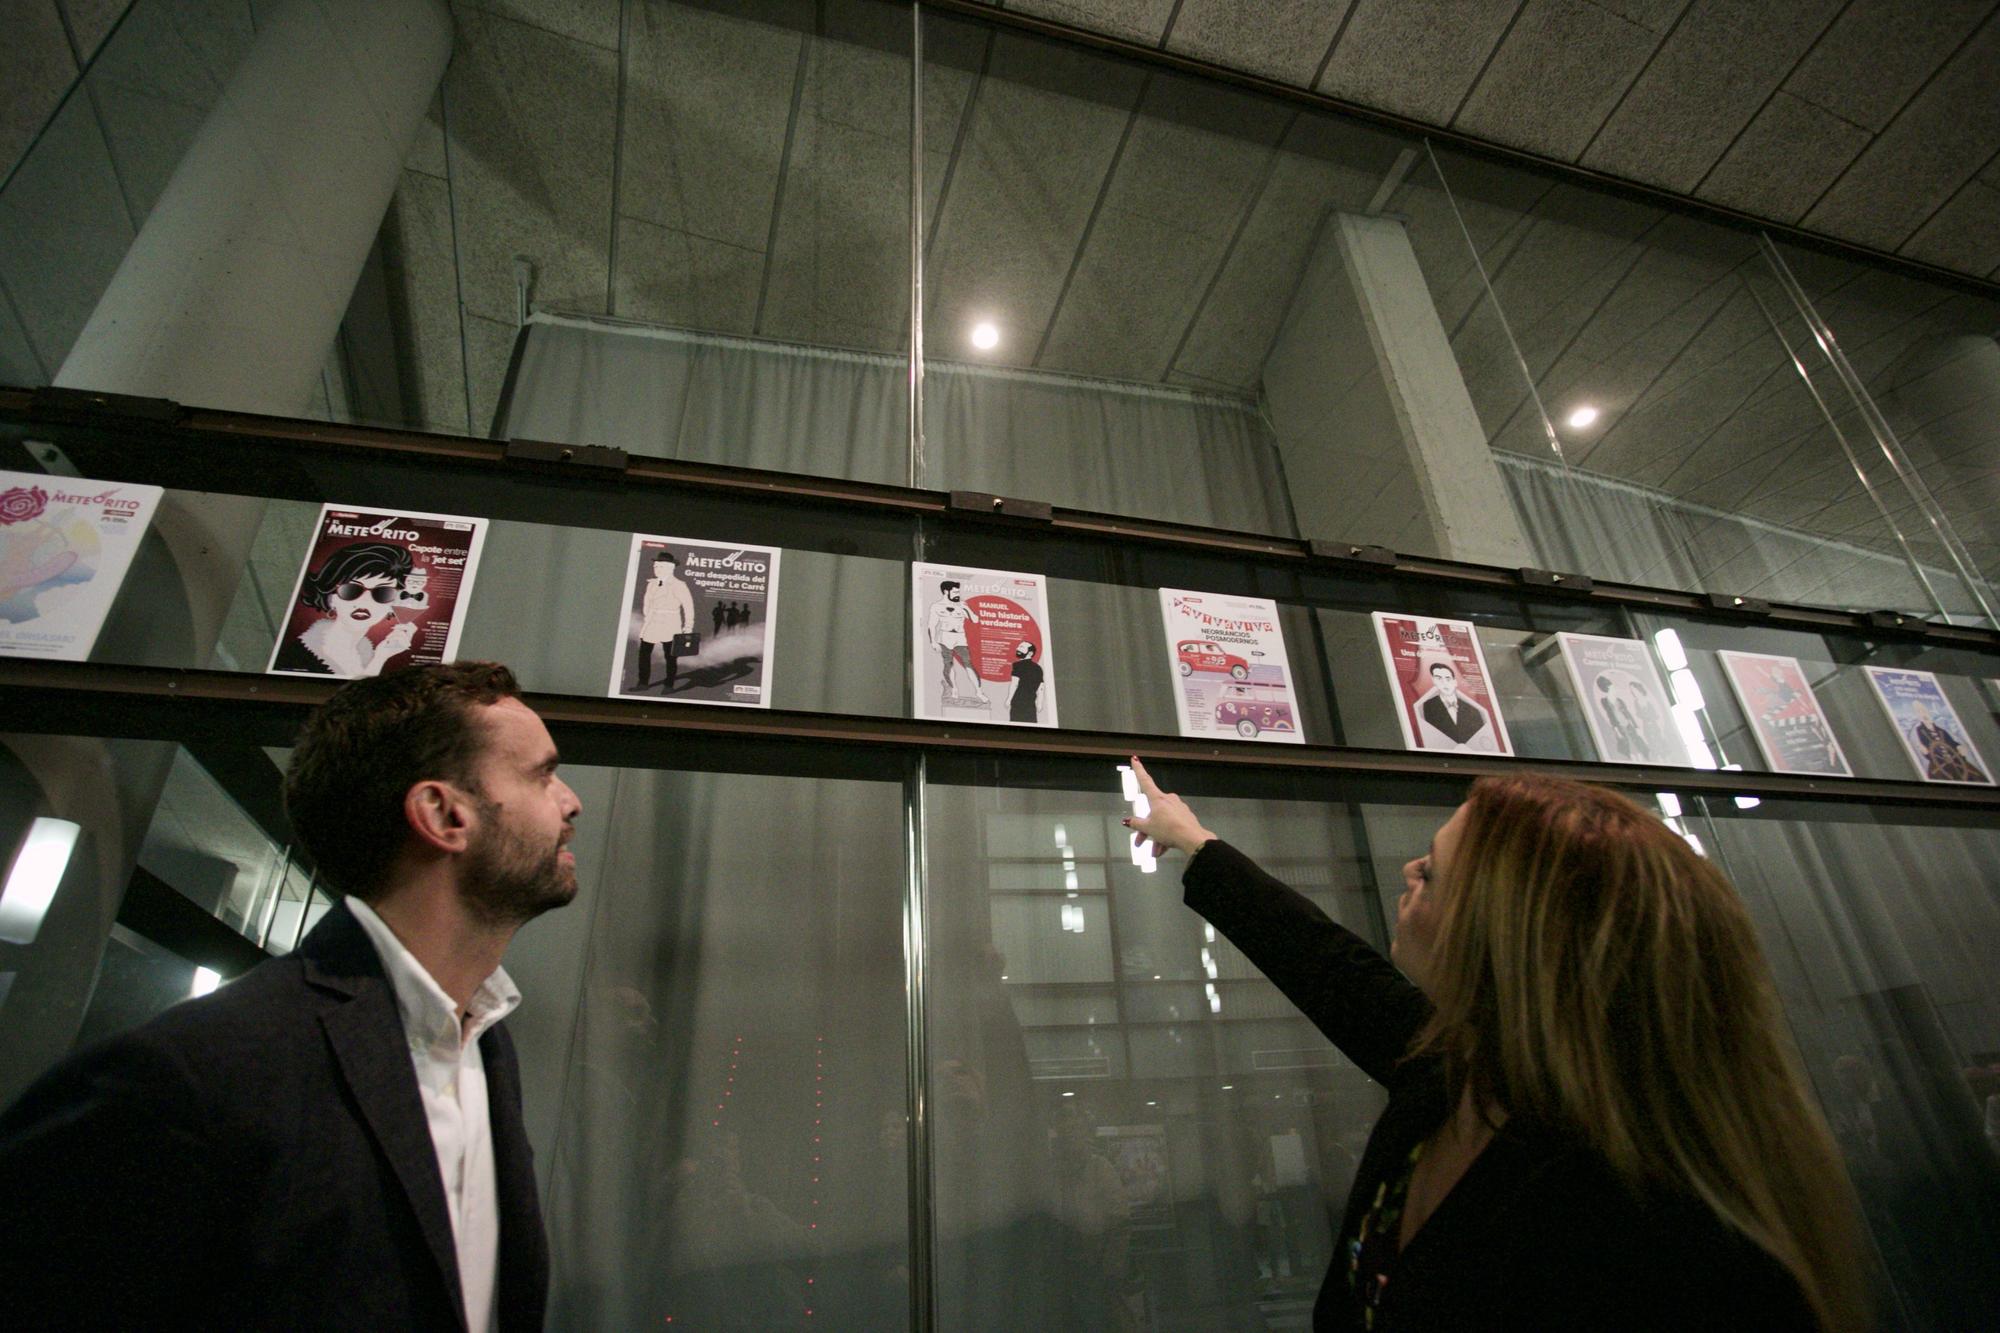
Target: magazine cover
x=698 y=622
x=1437 y=672
x=1230 y=658
x=1792 y=732
x=65 y=545
x=980 y=648
x=1627 y=705
x=380 y=590
x=1928 y=726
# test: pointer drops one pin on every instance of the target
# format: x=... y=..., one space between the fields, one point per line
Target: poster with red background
x=379 y=590
x=980 y=649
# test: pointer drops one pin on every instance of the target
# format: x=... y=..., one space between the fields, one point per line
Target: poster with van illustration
x=1231 y=675
x=1444 y=693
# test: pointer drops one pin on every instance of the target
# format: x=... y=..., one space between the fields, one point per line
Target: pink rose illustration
x=22 y=503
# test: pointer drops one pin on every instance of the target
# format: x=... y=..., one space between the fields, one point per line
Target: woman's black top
x=1538 y=1233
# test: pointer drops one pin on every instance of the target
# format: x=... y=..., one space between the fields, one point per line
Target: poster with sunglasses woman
x=379 y=590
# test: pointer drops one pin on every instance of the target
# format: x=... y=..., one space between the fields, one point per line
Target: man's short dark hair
x=1445 y=667
x=364 y=748
x=947 y=586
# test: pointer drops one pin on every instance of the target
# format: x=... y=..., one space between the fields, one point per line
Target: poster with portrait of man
x=697 y=622
x=1932 y=733
x=379 y=590
x=980 y=649
x=1443 y=692
x=1624 y=701
x=1784 y=715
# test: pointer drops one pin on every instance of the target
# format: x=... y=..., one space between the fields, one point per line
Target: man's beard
x=508 y=881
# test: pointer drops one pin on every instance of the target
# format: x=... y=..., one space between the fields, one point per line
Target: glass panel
x=716 y=1056
x=204 y=844
x=1926 y=356
x=1881 y=928
x=1133 y=1130
x=753 y=305
x=1688 y=451
x=84 y=188
x=1112 y=256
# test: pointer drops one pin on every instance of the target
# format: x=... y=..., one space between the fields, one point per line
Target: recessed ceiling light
x=1583 y=417
x=986 y=335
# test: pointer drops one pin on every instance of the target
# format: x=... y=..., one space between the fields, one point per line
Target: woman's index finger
x=1146 y=783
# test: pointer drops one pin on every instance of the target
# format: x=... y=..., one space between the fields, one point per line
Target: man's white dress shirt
x=451 y=1077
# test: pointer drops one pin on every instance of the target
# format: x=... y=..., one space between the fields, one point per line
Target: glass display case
x=893 y=996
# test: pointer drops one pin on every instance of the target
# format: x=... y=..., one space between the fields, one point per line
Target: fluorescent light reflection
x=986 y=335
x=1583 y=418
x=34 y=877
x=205 y=980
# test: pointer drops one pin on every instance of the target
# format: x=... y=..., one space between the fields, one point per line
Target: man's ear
x=440 y=815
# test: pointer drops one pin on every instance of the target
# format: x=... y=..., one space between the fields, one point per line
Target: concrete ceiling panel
x=36 y=69
x=1899 y=43
x=1234 y=330
x=1417 y=58
x=1935 y=144
x=417 y=255
x=489 y=348
x=708 y=103
x=91 y=21
x=148 y=135
x=1705 y=82
x=1558 y=73
x=1279 y=39
x=842 y=247
x=1143 y=21
x=18 y=362
x=689 y=281
x=1784 y=159
x=592 y=21
x=1043 y=135
x=66 y=231
x=533 y=118
x=182 y=50
x=1134 y=292
x=1964 y=234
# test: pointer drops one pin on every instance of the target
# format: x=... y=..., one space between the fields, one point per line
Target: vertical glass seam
x=1885 y=435
x=923 y=1303
x=1853 y=460
x=916 y=183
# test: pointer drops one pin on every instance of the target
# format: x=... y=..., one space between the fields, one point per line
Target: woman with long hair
x=1594 y=1118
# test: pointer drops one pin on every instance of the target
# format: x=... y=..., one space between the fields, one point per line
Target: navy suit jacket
x=258 y=1157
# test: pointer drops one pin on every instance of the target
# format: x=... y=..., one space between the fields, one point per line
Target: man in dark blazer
x=335 y=1139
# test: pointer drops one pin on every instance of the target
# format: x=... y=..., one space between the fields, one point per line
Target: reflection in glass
x=1133 y=1129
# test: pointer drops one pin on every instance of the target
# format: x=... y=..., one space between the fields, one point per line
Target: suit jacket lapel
x=524 y=1249
x=366 y=1033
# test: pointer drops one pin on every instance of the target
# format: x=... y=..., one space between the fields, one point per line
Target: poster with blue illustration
x=65 y=544
x=1929 y=727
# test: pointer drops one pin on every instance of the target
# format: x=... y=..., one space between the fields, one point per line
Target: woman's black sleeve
x=1353 y=994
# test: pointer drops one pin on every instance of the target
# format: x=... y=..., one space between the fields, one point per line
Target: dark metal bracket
x=1749 y=606
x=590 y=457
x=1351 y=553
x=1555 y=581
x=83 y=404
x=1000 y=506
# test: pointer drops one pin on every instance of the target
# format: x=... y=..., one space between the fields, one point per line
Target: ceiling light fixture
x=986 y=335
x=1583 y=418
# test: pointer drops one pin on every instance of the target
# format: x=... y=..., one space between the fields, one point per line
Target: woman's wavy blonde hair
x=1591 y=971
